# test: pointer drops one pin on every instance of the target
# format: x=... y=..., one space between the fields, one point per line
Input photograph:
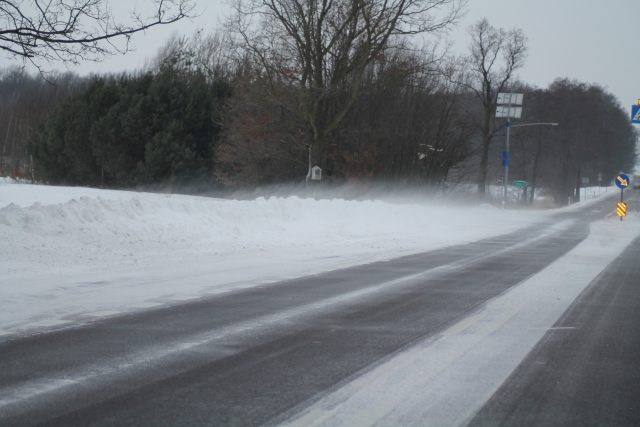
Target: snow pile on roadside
x=69 y=251
x=24 y=194
x=135 y=228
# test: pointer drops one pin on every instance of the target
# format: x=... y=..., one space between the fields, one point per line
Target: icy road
x=535 y=327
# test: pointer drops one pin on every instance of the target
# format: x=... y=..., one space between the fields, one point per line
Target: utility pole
x=506 y=163
x=508 y=105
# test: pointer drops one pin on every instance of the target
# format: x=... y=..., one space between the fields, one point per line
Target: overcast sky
x=590 y=40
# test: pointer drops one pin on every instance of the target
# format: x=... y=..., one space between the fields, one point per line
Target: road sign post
x=523 y=186
x=509 y=105
x=622 y=181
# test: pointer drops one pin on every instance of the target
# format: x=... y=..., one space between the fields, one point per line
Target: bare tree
x=407 y=125
x=207 y=53
x=75 y=30
x=325 y=46
x=25 y=102
x=495 y=55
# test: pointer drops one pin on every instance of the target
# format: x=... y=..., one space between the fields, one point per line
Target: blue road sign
x=505 y=158
x=622 y=181
x=635 y=114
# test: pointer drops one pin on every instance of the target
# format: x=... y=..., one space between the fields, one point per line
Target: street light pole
x=508 y=105
x=509 y=125
x=506 y=162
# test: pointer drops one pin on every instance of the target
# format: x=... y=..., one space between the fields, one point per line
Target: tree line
x=335 y=84
x=119 y=131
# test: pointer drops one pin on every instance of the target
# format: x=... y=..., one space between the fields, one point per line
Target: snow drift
x=69 y=253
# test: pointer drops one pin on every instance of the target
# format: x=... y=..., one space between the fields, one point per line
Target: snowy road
x=314 y=350
x=585 y=369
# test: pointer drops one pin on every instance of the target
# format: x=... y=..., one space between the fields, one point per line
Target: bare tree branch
x=75 y=30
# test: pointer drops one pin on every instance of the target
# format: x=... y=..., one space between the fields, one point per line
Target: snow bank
x=107 y=227
x=22 y=194
x=71 y=253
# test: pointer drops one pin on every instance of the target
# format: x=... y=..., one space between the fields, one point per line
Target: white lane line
x=445 y=380
x=20 y=393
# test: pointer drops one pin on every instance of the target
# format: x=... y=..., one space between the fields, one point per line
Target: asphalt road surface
x=252 y=356
x=586 y=369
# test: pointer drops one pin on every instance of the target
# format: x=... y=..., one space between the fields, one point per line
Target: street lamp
x=509 y=105
x=506 y=163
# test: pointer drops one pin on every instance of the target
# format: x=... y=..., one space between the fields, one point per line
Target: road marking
x=555 y=328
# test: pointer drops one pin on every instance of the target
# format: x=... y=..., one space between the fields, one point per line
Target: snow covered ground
x=72 y=254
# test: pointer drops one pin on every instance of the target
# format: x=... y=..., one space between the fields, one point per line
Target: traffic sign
x=520 y=184
x=621 y=209
x=622 y=181
x=505 y=98
x=506 y=111
x=635 y=113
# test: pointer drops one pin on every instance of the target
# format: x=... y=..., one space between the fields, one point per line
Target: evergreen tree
x=155 y=128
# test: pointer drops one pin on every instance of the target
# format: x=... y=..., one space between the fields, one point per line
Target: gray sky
x=590 y=40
